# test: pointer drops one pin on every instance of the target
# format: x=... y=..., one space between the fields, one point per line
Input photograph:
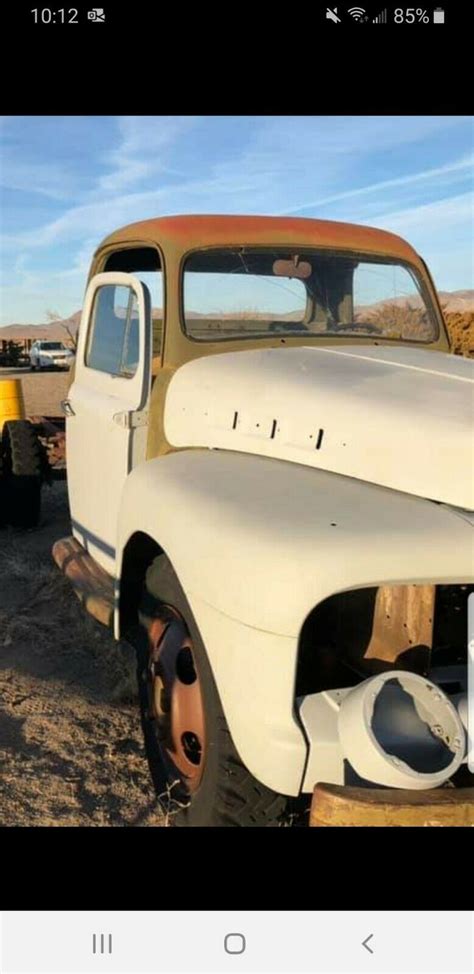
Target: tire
x=227 y=793
x=3 y=500
x=22 y=469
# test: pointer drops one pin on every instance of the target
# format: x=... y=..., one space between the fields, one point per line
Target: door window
x=113 y=344
x=145 y=263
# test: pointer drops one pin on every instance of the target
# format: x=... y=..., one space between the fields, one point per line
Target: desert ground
x=71 y=750
x=70 y=741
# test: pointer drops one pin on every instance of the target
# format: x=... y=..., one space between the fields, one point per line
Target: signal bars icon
x=381 y=18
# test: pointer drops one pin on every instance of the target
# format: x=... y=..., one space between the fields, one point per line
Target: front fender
x=256 y=544
x=263 y=541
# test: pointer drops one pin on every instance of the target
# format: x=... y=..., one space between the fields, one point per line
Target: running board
x=91 y=583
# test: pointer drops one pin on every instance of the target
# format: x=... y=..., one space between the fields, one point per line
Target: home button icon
x=234 y=943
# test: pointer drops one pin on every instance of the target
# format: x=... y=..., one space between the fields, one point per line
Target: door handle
x=67 y=407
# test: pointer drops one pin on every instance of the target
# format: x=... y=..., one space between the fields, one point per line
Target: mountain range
x=451 y=301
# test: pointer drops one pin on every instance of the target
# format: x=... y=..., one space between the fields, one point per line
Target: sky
x=68 y=181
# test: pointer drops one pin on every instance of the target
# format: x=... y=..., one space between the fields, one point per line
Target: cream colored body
x=256 y=544
x=397 y=417
x=101 y=450
x=261 y=517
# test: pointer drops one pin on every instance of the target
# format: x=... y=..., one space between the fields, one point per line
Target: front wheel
x=195 y=767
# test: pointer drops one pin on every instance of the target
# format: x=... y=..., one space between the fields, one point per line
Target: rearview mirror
x=292 y=268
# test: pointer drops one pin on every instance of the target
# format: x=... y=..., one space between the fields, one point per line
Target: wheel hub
x=175 y=698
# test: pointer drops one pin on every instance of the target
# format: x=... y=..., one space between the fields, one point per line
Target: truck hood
x=399 y=417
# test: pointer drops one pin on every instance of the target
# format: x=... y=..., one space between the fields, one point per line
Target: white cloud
x=363 y=134
x=442 y=232
x=100 y=217
x=140 y=153
x=280 y=156
x=219 y=191
x=246 y=164
x=439 y=216
x=459 y=166
x=79 y=269
x=47 y=179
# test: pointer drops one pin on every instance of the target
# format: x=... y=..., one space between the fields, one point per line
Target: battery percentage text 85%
x=411 y=16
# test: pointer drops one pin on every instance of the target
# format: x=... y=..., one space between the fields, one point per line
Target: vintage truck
x=272 y=494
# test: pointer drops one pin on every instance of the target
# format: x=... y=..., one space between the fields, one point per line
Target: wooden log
x=338 y=805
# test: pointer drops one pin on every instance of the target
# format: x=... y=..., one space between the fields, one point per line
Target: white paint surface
x=399 y=417
x=256 y=544
x=99 y=450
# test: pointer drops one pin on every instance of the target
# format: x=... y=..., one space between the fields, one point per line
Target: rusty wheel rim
x=175 y=697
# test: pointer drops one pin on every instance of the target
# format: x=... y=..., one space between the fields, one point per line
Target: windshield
x=53 y=346
x=243 y=292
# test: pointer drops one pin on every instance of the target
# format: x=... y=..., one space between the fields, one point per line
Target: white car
x=46 y=355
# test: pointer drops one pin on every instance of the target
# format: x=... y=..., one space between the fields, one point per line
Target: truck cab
x=266 y=440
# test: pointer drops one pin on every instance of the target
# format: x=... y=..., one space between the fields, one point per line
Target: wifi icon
x=356 y=12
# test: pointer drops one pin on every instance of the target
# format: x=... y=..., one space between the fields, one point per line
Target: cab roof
x=185 y=233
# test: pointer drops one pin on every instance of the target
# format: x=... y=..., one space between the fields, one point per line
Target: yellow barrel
x=12 y=405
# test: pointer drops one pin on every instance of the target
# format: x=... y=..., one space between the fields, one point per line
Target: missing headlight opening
x=384 y=670
x=401 y=731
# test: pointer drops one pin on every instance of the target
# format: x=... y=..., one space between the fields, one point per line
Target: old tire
x=223 y=792
x=3 y=500
x=22 y=466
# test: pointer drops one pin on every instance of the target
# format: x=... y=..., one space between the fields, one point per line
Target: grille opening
x=336 y=636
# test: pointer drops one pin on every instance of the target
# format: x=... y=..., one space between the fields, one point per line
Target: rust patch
x=93 y=586
x=175 y=697
x=402 y=622
x=189 y=231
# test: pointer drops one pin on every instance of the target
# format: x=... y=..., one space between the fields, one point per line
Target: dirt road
x=70 y=740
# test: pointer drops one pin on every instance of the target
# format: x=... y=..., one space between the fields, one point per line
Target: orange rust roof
x=188 y=232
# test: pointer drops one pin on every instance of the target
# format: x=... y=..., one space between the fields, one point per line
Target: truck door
x=106 y=410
